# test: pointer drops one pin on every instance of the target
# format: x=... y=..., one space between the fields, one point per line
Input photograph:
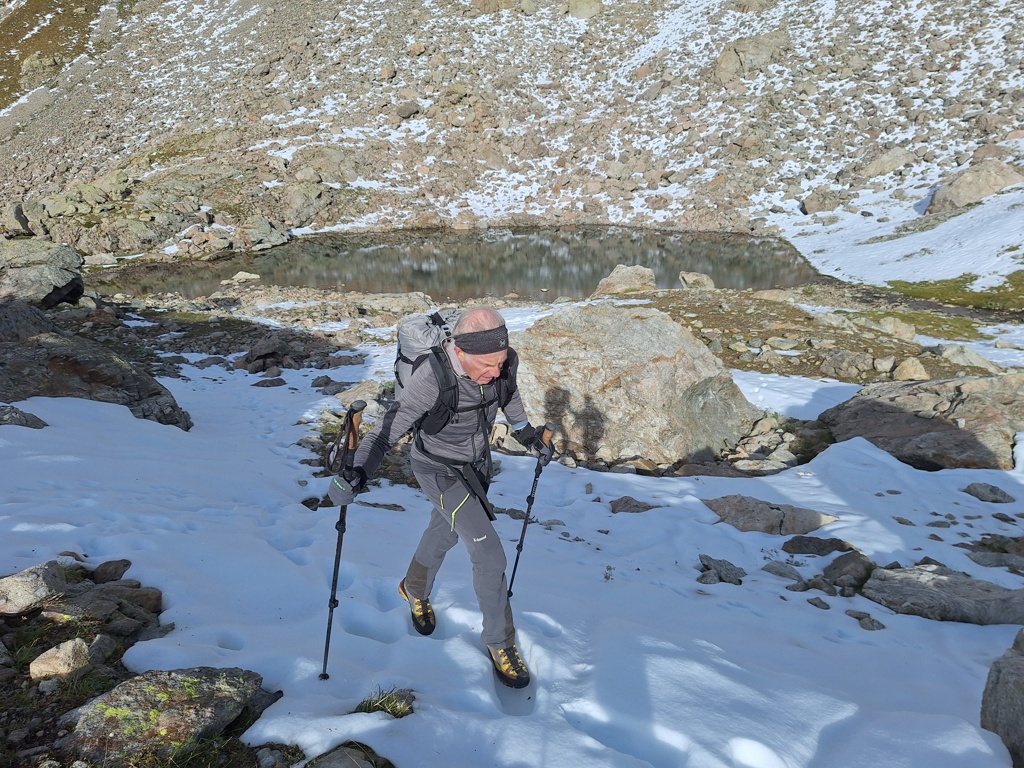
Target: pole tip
x=357 y=406
x=324 y=676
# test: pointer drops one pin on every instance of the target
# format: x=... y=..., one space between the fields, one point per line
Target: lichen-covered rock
x=158 y=714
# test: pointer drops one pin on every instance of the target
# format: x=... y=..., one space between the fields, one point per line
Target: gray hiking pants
x=456 y=514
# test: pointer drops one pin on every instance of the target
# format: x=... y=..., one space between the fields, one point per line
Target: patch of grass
x=1009 y=295
x=952 y=327
x=396 y=702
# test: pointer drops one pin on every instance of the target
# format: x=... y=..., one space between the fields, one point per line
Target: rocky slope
x=166 y=124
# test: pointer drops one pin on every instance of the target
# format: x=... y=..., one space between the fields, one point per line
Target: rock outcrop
x=940 y=593
x=967 y=422
x=38 y=361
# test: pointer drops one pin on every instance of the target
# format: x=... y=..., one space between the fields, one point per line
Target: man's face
x=483 y=369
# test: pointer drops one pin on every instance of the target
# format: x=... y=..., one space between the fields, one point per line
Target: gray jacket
x=464 y=438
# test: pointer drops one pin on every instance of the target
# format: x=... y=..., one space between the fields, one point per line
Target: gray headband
x=483 y=342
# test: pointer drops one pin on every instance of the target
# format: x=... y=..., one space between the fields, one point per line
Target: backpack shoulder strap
x=447 y=403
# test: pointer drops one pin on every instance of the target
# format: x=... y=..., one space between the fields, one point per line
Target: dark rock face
x=967 y=422
x=37 y=361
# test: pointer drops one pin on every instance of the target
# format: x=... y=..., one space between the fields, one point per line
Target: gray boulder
x=40 y=272
x=160 y=715
x=940 y=593
x=585 y=9
x=748 y=514
x=36 y=361
x=257 y=233
x=15 y=417
x=974 y=185
x=989 y=493
x=967 y=422
x=887 y=162
x=31 y=588
x=1002 y=704
x=19 y=321
x=749 y=55
x=625 y=279
x=622 y=382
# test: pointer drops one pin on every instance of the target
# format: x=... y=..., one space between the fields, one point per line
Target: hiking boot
x=509 y=666
x=422 y=613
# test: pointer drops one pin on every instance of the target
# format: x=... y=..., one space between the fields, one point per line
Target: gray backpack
x=418 y=335
x=419 y=339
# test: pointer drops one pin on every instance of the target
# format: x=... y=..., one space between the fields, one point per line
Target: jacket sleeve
x=418 y=397
x=514 y=411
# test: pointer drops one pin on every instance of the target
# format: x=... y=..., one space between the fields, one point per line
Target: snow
x=634 y=662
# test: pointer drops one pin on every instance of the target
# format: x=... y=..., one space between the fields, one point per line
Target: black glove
x=530 y=438
x=345 y=485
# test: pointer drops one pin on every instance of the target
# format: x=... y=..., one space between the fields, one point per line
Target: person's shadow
x=588 y=422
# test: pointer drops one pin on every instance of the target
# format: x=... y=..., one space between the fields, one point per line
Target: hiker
x=452 y=463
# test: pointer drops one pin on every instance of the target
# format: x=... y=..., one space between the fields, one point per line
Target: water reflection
x=535 y=264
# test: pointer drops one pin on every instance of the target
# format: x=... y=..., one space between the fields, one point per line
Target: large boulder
x=32 y=588
x=19 y=321
x=159 y=715
x=40 y=272
x=626 y=279
x=974 y=185
x=749 y=56
x=967 y=422
x=627 y=381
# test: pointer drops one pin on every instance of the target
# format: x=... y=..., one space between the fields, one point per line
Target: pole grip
x=355 y=416
x=547 y=432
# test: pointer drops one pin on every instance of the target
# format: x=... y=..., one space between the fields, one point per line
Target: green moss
x=1009 y=295
x=950 y=327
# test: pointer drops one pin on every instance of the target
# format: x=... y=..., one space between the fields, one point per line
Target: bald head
x=478 y=319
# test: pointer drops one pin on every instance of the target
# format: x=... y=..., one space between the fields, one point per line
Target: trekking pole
x=353 y=416
x=545 y=437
